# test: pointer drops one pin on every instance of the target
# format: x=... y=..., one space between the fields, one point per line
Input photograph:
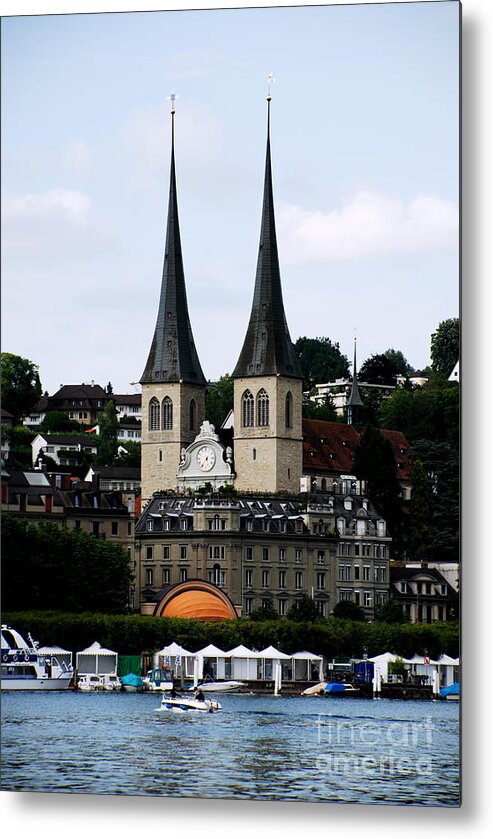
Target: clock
x=206 y=458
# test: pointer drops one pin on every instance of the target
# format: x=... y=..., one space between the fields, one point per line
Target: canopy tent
x=216 y=662
x=269 y=658
x=97 y=659
x=303 y=665
x=244 y=663
x=179 y=660
x=381 y=664
x=61 y=655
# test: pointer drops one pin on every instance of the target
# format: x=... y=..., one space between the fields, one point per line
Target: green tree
x=304 y=609
x=57 y=422
x=349 y=611
x=374 y=462
x=20 y=442
x=429 y=413
x=320 y=361
x=419 y=513
x=219 y=400
x=378 y=370
x=442 y=465
x=108 y=436
x=445 y=346
x=130 y=457
x=265 y=612
x=391 y=612
x=400 y=363
x=36 y=574
x=21 y=386
x=323 y=411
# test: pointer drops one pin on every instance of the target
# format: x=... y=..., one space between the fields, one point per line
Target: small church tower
x=354 y=402
x=268 y=442
x=173 y=384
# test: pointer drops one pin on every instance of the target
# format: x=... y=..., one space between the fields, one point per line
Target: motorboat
x=315 y=690
x=111 y=681
x=90 y=681
x=211 y=686
x=132 y=683
x=185 y=704
x=340 y=688
x=158 y=679
x=24 y=668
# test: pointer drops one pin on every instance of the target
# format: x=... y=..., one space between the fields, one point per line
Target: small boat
x=315 y=690
x=132 y=683
x=340 y=688
x=451 y=692
x=24 y=668
x=158 y=679
x=90 y=681
x=111 y=682
x=184 y=705
x=210 y=686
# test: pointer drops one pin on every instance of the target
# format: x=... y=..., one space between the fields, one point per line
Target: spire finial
x=172 y=98
x=270 y=81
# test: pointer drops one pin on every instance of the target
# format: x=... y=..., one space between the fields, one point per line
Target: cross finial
x=172 y=98
x=270 y=81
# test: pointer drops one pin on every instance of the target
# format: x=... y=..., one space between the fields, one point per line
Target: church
x=265 y=509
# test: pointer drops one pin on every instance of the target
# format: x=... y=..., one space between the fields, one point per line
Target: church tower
x=173 y=384
x=354 y=402
x=268 y=444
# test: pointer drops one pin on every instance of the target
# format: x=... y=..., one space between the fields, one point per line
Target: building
x=63 y=449
x=424 y=594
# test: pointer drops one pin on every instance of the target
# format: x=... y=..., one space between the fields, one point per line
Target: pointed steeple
x=173 y=356
x=354 y=402
x=267 y=348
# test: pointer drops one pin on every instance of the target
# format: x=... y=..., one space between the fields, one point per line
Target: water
x=259 y=747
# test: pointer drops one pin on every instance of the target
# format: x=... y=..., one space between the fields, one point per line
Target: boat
x=90 y=681
x=451 y=692
x=340 y=688
x=211 y=686
x=315 y=690
x=110 y=681
x=24 y=668
x=158 y=679
x=185 y=704
x=132 y=683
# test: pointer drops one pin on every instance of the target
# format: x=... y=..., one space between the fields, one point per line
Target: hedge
x=332 y=638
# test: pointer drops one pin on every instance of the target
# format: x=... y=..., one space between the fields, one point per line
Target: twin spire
x=267 y=349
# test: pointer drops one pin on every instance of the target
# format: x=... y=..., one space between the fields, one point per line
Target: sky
x=365 y=155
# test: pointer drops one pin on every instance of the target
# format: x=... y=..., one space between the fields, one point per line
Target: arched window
x=248 y=404
x=216 y=579
x=262 y=408
x=289 y=410
x=192 y=414
x=167 y=413
x=154 y=415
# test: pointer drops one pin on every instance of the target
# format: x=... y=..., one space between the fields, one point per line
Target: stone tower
x=268 y=443
x=173 y=384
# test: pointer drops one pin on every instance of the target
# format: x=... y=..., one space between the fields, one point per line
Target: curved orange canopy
x=202 y=605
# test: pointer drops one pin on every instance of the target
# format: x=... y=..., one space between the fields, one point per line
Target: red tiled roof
x=328 y=447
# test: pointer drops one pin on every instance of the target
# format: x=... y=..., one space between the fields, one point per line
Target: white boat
x=210 y=686
x=24 y=668
x=90 y=681
x=158 y=679
x=184 y=705
x=111 y=682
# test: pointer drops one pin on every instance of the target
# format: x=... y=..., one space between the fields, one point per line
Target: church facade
x=235 y=507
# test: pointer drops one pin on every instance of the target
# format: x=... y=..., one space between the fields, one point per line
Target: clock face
x=206 y=458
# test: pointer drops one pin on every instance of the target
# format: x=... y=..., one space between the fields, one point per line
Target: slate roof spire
x=267 y=348
x=173 y=356
x=354 y=402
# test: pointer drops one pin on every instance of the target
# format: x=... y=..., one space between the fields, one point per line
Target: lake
x=258 y=747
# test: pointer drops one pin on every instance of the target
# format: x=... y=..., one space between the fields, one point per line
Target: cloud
x=56 y=219
x=369 y=224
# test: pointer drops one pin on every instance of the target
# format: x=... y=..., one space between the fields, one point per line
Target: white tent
x=303 y=663
x=244 y=663
x=62 y=656
x=381 y=663
x=269 y=658
x=97 y=659
x=177 y=658
x=217 y=660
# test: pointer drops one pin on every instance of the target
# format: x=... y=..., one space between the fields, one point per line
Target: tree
x=349 y=611
x=320 y=361
x=400 y=363
x=57 y=422
x=21 y=386
x=378 y=370
x=130 y=457
x=441 y=463
x=323 y=411
x=419 y=513
x=108 y=436
x=391 y=612
x=219 y=400
x=429 y=413
x=303 y=609
x=445 y=346
x=36 y=574
x=374 y=462
x=265 y=612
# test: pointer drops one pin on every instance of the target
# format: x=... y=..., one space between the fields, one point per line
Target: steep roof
x=82 y=391
x=329 y=447
x=267 y=349
x=173 y=356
